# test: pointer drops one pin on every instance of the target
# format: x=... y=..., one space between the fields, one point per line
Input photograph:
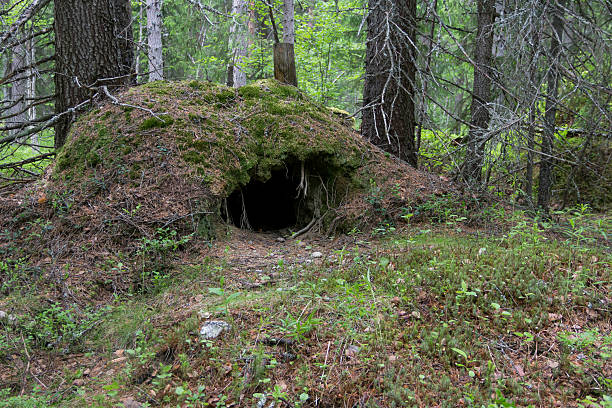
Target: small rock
x=351 y=351
x=130 y=403
x=416 y=314
x=213 y=328
x=280 y=239
x=288 y=356
x=317 y=254
x=204 y=314
x=7 y=317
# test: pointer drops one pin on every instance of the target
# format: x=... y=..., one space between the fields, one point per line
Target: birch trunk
x=288 y=22
x=238 y=44
x=154 y=39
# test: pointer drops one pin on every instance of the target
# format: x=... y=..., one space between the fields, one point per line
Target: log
x=284 y=64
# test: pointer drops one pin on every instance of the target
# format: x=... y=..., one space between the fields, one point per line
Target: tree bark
x=17 y=90
x=388 y=95
x=471 y=172
x=154 y=39
x=238 y=44
x=93 y=47
x=284 y=64
x=288 y=22
x=550 y=111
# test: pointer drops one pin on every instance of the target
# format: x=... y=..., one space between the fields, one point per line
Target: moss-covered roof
x=224 y=136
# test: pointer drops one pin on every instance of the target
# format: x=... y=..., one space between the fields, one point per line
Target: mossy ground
x=430 y=315
x=109 y=267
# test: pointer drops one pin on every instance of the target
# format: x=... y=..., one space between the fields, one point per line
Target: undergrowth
x=430 y=315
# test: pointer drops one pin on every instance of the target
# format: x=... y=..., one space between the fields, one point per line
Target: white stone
x=317 y=254
x=212 y=329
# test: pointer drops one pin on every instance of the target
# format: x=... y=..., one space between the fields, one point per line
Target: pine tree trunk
x=31 y=87
x=93 y=47
x=154 y=39
x=388 y=95
x=481 y=94
x=238 y=44
x=550 y=112
x=17 y=90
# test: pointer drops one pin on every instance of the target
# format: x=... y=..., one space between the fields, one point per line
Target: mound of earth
x=173 y=163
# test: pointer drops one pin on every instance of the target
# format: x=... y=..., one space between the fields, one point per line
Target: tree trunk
x=388 y=95
x=284 y=63
x=140 y=34
x=533 y=94
x=288 y=22
x=238 y=44
x=17 y=90
x=31 y=87
x=154 y=39
x=471 y=172
x=93 y=47
x=550 y=111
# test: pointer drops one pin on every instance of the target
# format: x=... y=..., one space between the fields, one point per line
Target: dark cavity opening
x=279 y=203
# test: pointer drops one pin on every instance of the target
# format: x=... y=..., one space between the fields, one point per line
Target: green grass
x=420 y=317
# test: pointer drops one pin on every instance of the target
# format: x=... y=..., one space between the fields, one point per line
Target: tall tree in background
x=550 y=109
x=236 y=72
x=388 y=95
x=288 y=22
x=93 y=47
x=481 y=94
x=284 y=52
x=16 y=115
x=154 y=39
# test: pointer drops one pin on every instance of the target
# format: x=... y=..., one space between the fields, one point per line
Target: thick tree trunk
x=284 y=54
x=238 y=44
x=93 y=47
x=284 y=64
x=550 y=112
x=481 y=94
x=388 y=95
x=154 y=39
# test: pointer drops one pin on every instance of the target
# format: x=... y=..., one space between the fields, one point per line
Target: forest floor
x=433 y=314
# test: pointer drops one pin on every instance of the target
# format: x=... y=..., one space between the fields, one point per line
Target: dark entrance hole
x=275 y=204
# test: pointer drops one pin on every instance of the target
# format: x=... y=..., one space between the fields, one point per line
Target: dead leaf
x=519 y=369
x=553 y=317
x=552 y=364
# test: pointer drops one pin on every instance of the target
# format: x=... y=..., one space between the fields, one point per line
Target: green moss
x=153 y=122
x=225 y=96
x=250 y=91
x=227 y=141
x=93 y=159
